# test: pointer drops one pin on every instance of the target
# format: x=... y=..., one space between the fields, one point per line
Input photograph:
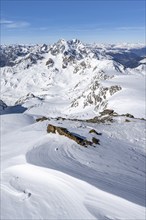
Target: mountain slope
x=72 y=79
x=51 y=177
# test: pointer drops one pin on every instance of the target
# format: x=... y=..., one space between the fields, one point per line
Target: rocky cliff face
x=2 y=105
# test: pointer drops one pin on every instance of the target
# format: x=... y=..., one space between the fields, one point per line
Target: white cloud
x=6 y=21
x=21 y=24
x=14 y=24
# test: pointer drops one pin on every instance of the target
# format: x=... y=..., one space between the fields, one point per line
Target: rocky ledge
x=75 y=137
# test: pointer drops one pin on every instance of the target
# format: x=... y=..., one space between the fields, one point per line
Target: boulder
x=51 y=129
x=95 y=140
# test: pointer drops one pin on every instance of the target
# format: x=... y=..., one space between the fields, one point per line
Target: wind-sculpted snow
x=48 y=176
x=74 y=161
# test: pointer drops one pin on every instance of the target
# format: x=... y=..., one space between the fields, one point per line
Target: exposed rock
x=126 y=120
x=128 y=115
x=143 y=119
x=83 y=64
x=51 y=129
x=33 y=58
x=76 y=69
x=25 y=98
x=65 y=132
x=30 y=54
x=64 y=66
x=107 y=112
x=95 y=140
x=68 y=59
x=95 y=132
x=50 y=63
x=114 y=89
x=60 y=118
x=95 y=85
x=41 y=119
x=96 y=95
x=100 y=119
x=2 y=105
x=55 y=70
x=75 y=103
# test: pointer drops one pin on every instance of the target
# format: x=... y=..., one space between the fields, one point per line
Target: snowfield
x=46 y=175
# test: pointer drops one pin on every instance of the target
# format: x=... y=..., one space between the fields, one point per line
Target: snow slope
x=48 y=176
x=132 y=96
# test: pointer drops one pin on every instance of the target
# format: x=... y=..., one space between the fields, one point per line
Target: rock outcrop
x=2 y=105
x=95 y=132
x=63 y=131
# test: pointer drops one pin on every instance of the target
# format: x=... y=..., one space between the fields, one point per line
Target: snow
x=49 y=176
x=59 y=91
x=132 y=96
x=143 y=60
x=105 y=182
x=56 y=88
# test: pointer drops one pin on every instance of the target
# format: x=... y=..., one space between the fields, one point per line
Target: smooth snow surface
x=132 y=96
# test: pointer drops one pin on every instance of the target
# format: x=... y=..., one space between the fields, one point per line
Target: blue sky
x=45 y=21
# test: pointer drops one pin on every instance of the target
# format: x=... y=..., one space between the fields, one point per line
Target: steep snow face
x=72 y=79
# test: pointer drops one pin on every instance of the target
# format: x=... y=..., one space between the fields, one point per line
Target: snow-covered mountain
x=72 y=78
x=73 y=131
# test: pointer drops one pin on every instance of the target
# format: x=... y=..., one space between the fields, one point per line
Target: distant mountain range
x=71 y=78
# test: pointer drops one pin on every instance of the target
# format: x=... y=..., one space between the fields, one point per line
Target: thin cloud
x=72 y=28
x=14 y=24
x=21 y=24
x=40 y=28
x=43 y=28
x=129 y=28
x=3 y=21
